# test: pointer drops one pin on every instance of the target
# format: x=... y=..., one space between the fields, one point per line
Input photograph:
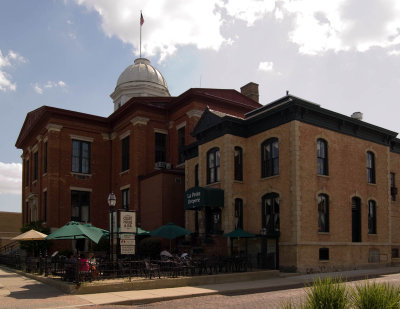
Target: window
x=80 y=206
x=213 y=164
x=181 y=144
x=323 y=213
x=27 y=173
x=125 y=199
x=322 y=157
x=213 y=220
x=35 y=165
x=80 y=157
x=125 y=154
x=161 y=147
x=45 y=206
x=370 y=167
x=196 y=175
x=238 y=163
x=395 y=253
x=34 y=212
x=356 y=219
x=371 y=217
x=270 y=158
x=26 y=212
x=323 y=254
x=393 y=188
x=45 y=158
x=270 y=213
x=238 y=213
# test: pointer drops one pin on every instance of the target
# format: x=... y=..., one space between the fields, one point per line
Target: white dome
x=140 y=79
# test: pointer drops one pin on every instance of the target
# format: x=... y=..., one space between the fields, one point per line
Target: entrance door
x=269 y=255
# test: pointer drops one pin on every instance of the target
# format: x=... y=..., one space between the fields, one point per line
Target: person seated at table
x=83 y=263
x=69 y=267
x=93 y=265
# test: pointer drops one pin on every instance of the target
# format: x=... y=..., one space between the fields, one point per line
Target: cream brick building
x=317 y=188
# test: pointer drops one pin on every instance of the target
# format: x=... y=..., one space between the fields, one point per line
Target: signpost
x=127 y=226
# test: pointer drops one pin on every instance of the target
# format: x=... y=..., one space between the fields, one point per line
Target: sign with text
x=127 y=249
x=127 y=242
x=127 y=222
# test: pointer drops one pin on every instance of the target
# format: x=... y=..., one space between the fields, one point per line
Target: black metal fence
x=80 y=270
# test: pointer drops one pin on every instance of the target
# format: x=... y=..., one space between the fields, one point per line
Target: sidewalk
x=283 y=282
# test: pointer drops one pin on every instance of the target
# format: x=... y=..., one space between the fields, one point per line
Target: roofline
x=46 y=111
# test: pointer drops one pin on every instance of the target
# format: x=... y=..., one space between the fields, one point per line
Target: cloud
x=266 y=66
x=343 y=25
x=48 y=85
x=7 y=61
x=37 y=88
x=10 y=178
x=316 y=26
x=167 y=24
x=249 y=11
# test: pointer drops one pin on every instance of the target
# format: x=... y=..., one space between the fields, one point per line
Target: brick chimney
x=250 y=90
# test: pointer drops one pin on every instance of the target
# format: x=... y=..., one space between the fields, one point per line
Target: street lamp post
x=112 y=200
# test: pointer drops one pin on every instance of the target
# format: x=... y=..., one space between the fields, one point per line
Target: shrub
x=375 y=296
x=327 y=294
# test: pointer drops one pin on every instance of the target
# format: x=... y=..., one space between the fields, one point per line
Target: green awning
x=199 y=197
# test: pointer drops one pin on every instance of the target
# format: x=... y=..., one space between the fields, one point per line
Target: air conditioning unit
x=168 y=166
x=160 y=165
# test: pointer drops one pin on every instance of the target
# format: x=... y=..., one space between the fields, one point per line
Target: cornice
x=140 y=120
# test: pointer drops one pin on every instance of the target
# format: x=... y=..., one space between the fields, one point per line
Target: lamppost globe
x=112 y=200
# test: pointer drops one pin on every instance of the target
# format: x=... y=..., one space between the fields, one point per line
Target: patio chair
x=152 y=269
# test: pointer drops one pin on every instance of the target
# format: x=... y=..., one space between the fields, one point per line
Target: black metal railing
x=81 y=270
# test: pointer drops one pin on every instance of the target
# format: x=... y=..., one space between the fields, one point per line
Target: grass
x=372 y=295
x=331 y=293
x=328 y=293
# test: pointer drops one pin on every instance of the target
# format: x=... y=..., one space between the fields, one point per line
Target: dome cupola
x=140 y=79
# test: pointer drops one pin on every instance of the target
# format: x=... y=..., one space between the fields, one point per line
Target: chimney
x=250 y=90
x=357 y=115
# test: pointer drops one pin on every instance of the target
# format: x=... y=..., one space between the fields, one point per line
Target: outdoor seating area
x=71 y=269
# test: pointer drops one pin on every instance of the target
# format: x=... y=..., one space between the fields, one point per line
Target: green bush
x=327 y=294
x=333 y=294
x=375 y=296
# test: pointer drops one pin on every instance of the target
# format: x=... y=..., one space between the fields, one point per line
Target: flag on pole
x=141 y=19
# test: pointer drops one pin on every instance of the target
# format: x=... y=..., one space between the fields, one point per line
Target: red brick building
x=72 y=160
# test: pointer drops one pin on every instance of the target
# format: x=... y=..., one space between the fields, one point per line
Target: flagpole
x=140 y=48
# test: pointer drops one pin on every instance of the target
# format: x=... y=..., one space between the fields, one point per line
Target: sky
x=342 y=54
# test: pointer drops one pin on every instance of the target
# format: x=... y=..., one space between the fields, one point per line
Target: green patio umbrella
x=239 y=233
x=140 y=231
x=89 y=225
x=76 y=230
x=169 y=231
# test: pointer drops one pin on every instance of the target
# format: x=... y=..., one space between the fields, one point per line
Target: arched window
x=213 y=164
x=238 y=213
x=322 y=157
x=356 y=219
x=371 y=217
x=238 y=163
x=370 y=167
x=323 y=213
x=270 y=157
x=270 y=213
